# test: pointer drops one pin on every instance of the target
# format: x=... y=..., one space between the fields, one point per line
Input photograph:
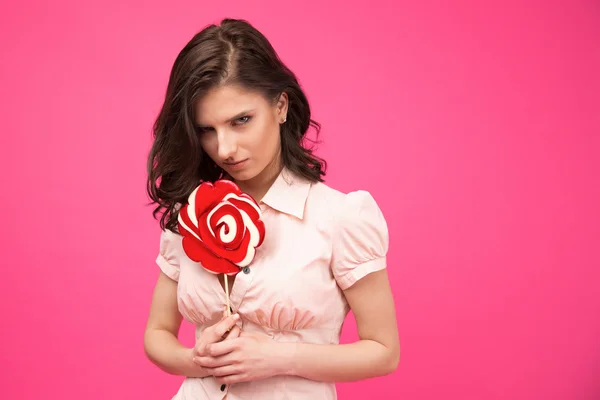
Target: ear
x=282 y=106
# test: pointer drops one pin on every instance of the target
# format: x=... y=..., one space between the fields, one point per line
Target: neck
x=258 y=186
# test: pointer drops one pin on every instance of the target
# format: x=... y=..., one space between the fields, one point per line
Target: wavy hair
x=233 y=52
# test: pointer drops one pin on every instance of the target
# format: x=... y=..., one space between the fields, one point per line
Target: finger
x=224 y=347
x=231 y=379
x=233 y=333
x=216 y=362
x=200 y=348
x=208 y=362
x=226 y=370
x=221 y=327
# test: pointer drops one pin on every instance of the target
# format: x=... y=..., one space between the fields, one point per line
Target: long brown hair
x=233 y=52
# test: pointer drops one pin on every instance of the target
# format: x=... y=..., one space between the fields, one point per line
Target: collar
x=288 y=194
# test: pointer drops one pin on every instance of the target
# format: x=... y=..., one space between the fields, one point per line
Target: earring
x=285 y=119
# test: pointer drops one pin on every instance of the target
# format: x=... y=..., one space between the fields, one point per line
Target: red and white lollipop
x=221 y=228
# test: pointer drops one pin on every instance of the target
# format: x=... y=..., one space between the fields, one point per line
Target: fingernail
x=236 y=316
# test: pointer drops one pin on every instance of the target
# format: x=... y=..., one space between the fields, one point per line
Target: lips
x=236 y=165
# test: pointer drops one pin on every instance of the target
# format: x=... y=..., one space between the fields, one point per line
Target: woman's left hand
x=246 y=358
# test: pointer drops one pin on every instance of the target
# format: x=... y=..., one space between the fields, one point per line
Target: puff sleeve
x=360 y=241
x=169 y=254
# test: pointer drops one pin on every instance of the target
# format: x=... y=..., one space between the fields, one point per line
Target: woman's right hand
x=225 y=329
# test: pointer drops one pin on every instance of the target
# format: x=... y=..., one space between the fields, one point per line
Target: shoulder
x=344 y=206
x=360 y=238
x=170 y=246
x=170 y=252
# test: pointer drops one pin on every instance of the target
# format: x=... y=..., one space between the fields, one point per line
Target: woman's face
x=239 y=130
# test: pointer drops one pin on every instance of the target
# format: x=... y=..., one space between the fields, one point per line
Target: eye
x=243 y=120
x=203 y=129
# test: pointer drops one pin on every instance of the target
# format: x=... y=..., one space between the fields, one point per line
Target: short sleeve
x=360 y=241
x=169 y=254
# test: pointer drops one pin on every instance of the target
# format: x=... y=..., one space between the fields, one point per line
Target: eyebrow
x=238 y=115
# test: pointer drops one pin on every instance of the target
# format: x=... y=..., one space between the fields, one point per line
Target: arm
x=376 y=353
x=252 y=357
x=160 y=337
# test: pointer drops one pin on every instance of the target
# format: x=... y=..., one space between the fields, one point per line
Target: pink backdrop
x=475 y=126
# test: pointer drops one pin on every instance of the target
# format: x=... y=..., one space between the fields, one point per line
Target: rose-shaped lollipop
x=221 y=228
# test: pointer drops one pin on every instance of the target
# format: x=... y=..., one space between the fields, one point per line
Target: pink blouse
x=318 y=242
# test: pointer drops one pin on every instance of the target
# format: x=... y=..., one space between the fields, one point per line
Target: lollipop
x=221 y=228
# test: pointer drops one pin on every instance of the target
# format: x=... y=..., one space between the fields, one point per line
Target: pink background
x=475 y=126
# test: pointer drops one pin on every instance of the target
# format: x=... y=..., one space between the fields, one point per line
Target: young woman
x=233 y=110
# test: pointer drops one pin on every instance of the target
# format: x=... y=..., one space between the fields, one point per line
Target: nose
x=227 y=145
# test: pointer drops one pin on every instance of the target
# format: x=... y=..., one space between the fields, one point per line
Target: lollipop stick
x=227 y=294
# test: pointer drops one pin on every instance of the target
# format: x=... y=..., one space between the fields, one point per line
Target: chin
x=244 y=175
